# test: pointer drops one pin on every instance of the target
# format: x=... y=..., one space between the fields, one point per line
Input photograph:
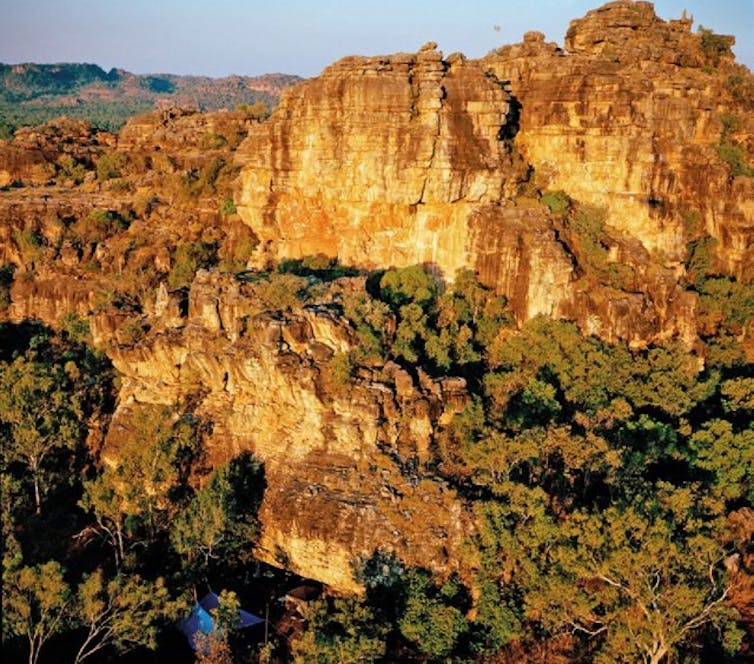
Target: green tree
x=140 y=493
x=635 y=582
x=371 y=318
x=257 y=111
x=714 y=46
x=189 y=258
x=42 y=415
x=110 y=165
x=280 y=292
x=505 y=550
x=104 y=497
x=122 y=612
x=220 y=522
x=429 y=618
x=729 y=456
x=341 y=631
x=36 y=604
x=407 y=285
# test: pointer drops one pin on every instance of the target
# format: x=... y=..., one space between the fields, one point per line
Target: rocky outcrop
x=35 y=153
x=87 y=219
x=183 y=131
x=337 y=462
x=399 y=160
x=630 y=118
x=407 y=159
x=380 y=161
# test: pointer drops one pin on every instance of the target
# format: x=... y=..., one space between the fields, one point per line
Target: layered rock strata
x=407 y=159
x=399 y=160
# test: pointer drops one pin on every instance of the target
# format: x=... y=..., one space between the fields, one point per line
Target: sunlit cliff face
x=404 y=159
x=393 y=161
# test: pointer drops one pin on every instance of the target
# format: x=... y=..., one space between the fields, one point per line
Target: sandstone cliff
x=400 y=160
x=395 y=160
x=337 y=486
x=412 y=158
x=630 y=117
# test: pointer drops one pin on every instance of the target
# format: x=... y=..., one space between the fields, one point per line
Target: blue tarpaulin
x=200 y=618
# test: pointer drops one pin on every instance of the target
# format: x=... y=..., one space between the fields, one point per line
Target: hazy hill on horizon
x=31 y=93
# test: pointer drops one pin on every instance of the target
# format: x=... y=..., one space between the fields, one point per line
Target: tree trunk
x=82 y=654
x=37 y=495
x=658 y=655
x=33 y=651
x=35 y=465
x=120 y=552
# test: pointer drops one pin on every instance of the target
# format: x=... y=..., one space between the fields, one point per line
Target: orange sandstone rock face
x=409 y=159
x=334 y=488
x=399 y=160
x=630 y=119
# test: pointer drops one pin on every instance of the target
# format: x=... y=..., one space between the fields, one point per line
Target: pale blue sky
x=250 y=37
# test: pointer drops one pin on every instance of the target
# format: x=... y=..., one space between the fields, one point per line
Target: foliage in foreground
x=600 y=480
x=125 y=590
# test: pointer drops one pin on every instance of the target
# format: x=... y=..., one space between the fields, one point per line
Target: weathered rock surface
x=406 y=159
x=335 y=486
x=630 y=118
x=34 y=151
x=365 y=160
x=398 y=160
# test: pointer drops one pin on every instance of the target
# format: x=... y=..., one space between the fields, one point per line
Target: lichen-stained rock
x=630 y=117
x=336 y=488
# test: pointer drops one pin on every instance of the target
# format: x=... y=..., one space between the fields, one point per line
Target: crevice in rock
x=413 y=94
x=435 y=140
x=566 y=249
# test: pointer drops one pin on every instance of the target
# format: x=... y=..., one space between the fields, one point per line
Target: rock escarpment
x=337 y=488
x=412 y=158
x=631 y=118
x=400 y=160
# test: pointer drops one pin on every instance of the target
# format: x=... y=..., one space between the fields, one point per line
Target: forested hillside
x=31 y=94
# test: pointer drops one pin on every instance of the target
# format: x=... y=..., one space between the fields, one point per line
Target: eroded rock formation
x=412 y=158
x=335 y=486
x=629 y=118
x=399 y=160
x=388 y=161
